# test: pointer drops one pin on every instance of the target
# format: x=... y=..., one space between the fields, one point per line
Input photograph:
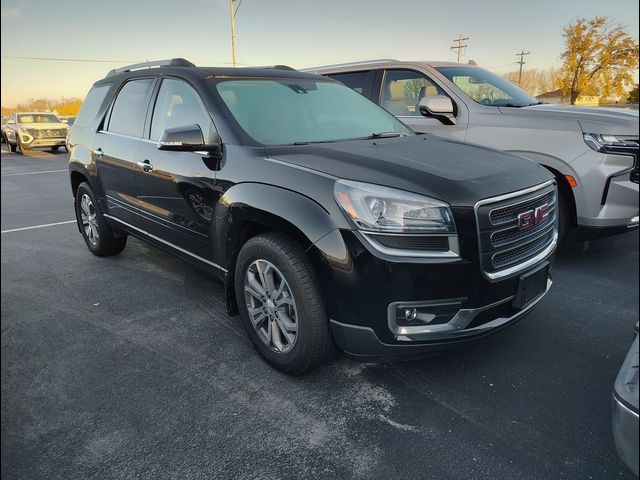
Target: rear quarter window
x=91 y=104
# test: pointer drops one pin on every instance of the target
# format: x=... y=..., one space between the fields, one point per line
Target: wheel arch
x=247 y=210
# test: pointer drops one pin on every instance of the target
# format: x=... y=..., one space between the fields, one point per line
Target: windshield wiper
x=384 y=135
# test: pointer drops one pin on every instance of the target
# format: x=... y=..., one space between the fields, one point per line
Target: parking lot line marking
x=37 y=226
x=33 y=173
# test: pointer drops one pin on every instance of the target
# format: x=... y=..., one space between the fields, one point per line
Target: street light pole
x=233 y=32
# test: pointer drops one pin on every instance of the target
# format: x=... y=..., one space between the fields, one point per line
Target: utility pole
x=233 y=13
x=521 y=62
x=460 y=45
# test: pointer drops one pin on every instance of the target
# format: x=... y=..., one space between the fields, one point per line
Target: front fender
x=274 y=207
x=253 y=207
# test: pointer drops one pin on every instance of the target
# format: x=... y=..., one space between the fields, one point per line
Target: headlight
x=601 y=143
x=375 y=208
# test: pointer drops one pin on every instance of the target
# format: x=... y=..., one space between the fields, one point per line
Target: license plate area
x=531 y=286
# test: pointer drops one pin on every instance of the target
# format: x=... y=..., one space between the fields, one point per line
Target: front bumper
x=607 y=194
x=363 y=342
x=361 y=287
x=29 y=142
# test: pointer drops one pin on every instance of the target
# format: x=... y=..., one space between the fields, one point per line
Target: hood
x=451 y=171
x=612 y=121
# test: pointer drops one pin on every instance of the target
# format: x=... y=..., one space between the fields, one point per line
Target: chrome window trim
x=172 y=245
x=507 y=272
x=130 y=137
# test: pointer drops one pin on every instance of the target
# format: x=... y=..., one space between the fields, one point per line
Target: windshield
x=38 y=118
x=487 y=88
x=290 y=111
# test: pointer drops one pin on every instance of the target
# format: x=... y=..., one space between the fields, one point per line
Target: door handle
x=145 y=166
x=98 y=152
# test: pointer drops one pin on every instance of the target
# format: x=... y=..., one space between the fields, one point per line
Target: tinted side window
x=402 y=91
x=355 y=80
x=91 y=104
x=130 y=107
x=178 y=105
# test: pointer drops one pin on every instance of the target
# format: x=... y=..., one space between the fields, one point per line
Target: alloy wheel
x=89 y=220
x=271 y=305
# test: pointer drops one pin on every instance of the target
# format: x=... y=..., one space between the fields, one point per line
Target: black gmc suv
x=327 y=218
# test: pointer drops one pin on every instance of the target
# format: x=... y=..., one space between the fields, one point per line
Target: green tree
x=599 y=58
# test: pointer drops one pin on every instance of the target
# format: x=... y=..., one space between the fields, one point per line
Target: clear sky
x=300 y=33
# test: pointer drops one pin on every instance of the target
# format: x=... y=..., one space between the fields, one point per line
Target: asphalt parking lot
x=128 y=367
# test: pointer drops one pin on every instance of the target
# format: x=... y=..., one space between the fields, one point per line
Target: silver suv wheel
x=272 y=308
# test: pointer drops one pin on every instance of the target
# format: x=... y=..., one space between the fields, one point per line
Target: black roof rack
x=283 y=67
x=173 y=62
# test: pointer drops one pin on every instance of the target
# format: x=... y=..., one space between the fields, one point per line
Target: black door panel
x=114 y=156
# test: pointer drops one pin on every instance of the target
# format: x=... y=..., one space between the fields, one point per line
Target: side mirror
x=438 y=106
x=188 y=138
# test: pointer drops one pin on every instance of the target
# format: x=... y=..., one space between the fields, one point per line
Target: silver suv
x=26 y=130
x=592 y=152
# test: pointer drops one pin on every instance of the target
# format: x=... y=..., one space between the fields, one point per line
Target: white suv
x=592 y=152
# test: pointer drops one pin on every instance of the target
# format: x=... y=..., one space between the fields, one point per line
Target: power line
x=54 y=59
x=460 y=45
x=521 y=62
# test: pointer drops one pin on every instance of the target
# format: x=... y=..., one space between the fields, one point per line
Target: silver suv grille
x=47 y=133
x=515 y=229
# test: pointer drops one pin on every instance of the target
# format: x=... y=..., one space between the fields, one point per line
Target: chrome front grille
x=515 y=229
x=499 y=216
x=47 y=133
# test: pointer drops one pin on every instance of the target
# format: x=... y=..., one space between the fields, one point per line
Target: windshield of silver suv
x=298 y=111
x=38 y=118
x=487 y=88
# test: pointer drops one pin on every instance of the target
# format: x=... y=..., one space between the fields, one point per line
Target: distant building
x=556 y=96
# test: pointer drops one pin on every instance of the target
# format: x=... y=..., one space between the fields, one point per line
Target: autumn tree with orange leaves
x=599 y=59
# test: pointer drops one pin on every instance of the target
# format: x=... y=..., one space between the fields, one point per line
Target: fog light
x=410 y=314
x=422 y=313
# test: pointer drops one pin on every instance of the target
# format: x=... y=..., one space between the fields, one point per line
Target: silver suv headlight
x=603 y=143
x=374 y=208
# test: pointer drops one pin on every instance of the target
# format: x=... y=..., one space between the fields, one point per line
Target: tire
x=90 y=220
x=55 y=148
x=20 y=148
x=299 y=303
x=10 y=147
x=564 y=216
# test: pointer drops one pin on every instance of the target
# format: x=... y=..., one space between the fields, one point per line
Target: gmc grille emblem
x=531 y=218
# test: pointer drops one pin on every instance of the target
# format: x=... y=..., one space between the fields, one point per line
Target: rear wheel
x=10 y=147
x=280 y=304
x=97 y=234
x=55 y=148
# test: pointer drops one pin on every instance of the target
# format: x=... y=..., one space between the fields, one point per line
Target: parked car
x=27 y=130
x=4 y=121
x=625 y=408
x=326 y=217
x=592 y=153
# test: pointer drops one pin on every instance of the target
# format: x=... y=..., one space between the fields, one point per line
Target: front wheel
x=280 y=304
x=97 y=234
